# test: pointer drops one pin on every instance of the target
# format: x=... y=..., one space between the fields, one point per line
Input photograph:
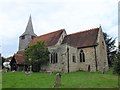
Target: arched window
x=82 y=56
x=54 y=58
x=74 y=58
x=51 y=57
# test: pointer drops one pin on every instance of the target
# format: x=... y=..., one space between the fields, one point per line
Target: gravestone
x=29 y=70
x=58 y=80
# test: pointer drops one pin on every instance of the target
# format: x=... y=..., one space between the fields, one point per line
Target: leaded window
x=54 y=58
x=82 y=56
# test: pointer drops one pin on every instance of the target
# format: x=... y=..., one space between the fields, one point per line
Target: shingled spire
x=27 y=36
x=29 y=29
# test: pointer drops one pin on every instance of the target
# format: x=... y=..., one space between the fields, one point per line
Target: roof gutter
x=86 y=46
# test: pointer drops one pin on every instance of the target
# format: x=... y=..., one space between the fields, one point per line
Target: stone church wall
x=61 y=52
x=73 y=66
x=89 y=59
x=61 y=38
x=23 y=43
x=96 y=54
x=102 y=61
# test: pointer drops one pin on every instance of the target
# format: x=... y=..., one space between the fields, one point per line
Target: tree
x=116 y=66
x=110 y=42
x=37 y=55
x=110 y=46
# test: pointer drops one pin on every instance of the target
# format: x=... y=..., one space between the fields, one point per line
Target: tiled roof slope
x=19 y=58
x=49 y=39
x=82 y=39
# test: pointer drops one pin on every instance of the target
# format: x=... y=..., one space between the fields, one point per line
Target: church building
x=84 y=50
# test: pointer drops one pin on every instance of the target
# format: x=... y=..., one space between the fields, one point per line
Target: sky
x=52 y=15
x=119 y=21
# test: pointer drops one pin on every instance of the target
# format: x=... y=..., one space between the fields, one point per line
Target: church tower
x=27 y=36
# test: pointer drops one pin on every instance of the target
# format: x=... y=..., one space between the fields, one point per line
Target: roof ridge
x=83 y=31
x=51 y=32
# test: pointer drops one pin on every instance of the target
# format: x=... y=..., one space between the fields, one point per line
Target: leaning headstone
x=58 y=80
x=30 y=68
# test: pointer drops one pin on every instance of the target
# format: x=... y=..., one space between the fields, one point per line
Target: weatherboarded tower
x=27 y=36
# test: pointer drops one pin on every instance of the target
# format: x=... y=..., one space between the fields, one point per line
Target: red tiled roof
x=82 y=39
x=19 y=58
x=7 y=60
x=49 y=39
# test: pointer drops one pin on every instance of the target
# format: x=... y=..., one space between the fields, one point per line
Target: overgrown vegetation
x=113 y=57
x=71 y=80
x=116 y=65
x=37 y=55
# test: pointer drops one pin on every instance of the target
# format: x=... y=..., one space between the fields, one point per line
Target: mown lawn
x=71 y=80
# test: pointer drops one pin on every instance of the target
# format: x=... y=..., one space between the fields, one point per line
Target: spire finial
x=30 y=16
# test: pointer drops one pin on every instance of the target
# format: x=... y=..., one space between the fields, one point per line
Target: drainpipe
x=95 y=57
x=68 y=60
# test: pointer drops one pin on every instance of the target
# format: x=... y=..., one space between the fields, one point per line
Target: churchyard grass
x=0 y=79
x=72 y=80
